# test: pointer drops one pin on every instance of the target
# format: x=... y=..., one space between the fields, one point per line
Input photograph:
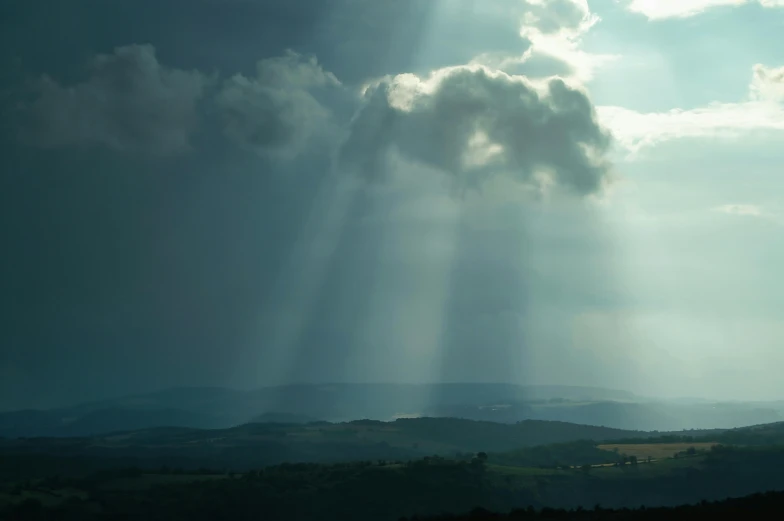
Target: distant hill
x=755 y=435
x=260 y=444
x=215 y=408
x=282 y=417
x=65 y=423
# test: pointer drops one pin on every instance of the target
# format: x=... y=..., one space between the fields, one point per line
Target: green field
x=655 y=450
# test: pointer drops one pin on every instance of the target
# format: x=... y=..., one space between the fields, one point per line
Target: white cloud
x=740 y=209
x=635 y=130
x=662 y=9
x=761 y=111
x=553 y=29
x=750 y=210
x=565 y=17
x=559 y=48
x=767 y=83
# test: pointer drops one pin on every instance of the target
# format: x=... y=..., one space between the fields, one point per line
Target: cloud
x=740 y=209
x=750 y=210
x=276 y=111
x=553 y=29
x=572 y=17
x=554 y=50
x=635 y=131
x=662 y=9
x=762 y=110
x=474 y=123
x=549 y=55
x=133 y=103
x=130 y=103
x=767 y=83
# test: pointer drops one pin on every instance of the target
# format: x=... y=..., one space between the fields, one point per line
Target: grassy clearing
x=662 y=467
x=655 y=450
x=521 y=477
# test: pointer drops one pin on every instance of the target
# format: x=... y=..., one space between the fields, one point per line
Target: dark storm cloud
x=437 y=122
x=124 y=272
x=275 y=111
x=130 y=103
x=133 y=103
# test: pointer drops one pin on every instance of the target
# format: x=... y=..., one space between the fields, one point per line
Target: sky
x=246 y=193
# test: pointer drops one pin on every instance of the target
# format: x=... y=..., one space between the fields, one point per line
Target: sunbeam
x=298 y=286
x=248 y=193
x=292 y=331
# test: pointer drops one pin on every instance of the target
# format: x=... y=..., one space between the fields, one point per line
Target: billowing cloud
x=553 y=30
x=762 y=110
x=130 y=102
x=558 y=16
x=661 y=9
x=475 y=123
x=275 y=111
x=133 y=103
x=767 y=83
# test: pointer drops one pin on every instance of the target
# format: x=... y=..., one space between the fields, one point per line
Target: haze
x=247 y=193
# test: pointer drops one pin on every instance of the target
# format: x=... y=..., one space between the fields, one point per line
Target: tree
x=482 y=456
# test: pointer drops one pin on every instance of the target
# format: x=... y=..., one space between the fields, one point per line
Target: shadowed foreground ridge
x=388 y=490
x=766 y=505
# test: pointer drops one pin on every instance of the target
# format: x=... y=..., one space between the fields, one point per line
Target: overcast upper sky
x=252 y=192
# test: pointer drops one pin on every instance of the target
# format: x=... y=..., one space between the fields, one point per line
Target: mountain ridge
x=219 y=407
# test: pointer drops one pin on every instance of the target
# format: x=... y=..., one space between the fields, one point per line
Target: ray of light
x=283 y=334
x=303 y=274
x=699 y=319
x=402 y=325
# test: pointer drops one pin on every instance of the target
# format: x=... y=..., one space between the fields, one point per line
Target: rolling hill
x=216 y=408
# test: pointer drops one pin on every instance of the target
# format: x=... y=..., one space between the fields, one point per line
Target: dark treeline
x=768 y=505
x=252 y=446
x=768 y=434
x=384 y=490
